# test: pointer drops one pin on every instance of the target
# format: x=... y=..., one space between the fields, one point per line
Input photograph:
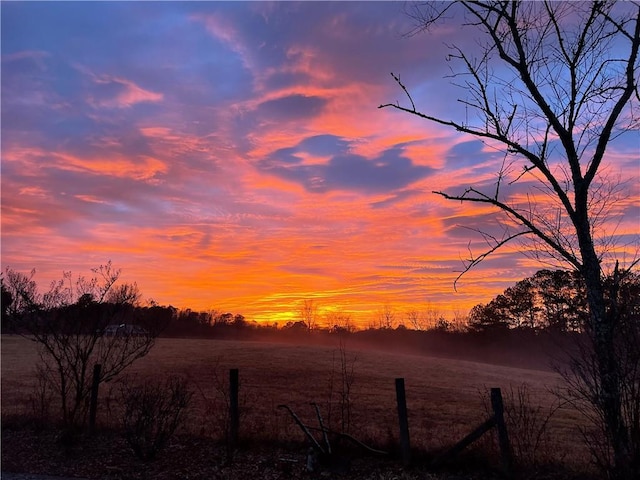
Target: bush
x=152 y=413
x=528 y=427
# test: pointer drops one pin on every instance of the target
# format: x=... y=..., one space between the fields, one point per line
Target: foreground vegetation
x=446 y=399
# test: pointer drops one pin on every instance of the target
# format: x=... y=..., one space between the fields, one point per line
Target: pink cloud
x=36 y=55
x=142 y=168
x=134 y=94
x=121 y=93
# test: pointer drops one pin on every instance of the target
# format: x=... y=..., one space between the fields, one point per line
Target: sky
x=232 y=156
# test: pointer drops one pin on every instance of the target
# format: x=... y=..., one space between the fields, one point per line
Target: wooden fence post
x=234 y=415
x=401 y=399
x=503 y=438
x=93 y=405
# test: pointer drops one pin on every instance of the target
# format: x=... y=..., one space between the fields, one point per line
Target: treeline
x=211 y=324
x=550 y=300
x=554 y=300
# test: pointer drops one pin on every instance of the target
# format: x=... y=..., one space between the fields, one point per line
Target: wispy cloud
x=108 y=91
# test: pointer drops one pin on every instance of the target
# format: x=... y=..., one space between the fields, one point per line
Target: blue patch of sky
x=60 y=26
x=196 y=67
x=468 y=154
x=282 y=80
x=161 y=53
x=65 y=80
x=324 y=145
x=286 y=155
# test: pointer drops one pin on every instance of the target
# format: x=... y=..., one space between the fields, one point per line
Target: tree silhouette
x=309 y=313
x=554 y=83
x=70 y=323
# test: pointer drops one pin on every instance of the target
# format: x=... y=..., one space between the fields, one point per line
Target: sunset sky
x=232 y=156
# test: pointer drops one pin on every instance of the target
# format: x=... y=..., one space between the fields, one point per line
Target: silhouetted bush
x=153 y=411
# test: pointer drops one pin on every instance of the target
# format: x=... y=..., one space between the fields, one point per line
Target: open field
x=444 y=397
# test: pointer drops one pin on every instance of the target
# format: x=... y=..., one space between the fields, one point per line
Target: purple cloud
x=387 y=172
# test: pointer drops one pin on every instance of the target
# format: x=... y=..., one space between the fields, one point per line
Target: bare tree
x=342 y=382
x=553 y=85
x=69 y=322
x=386 y=318
x=459 y=320
x=415 y=319
x=339 y=322
x=425 y=319
x=309 y=313
x=433 y=317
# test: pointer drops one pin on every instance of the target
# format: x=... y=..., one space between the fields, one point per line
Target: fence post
x=401 y=399
x=93 y=405
x=503 y=438
x=234 y=417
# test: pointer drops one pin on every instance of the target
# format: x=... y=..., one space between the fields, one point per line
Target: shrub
x=153 y=411
x=527 y=426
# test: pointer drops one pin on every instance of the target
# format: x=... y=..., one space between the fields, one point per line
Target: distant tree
x=223 y=319
x=239 y=321
x=309 y=313
x=628 y=303
x=550 y=299
x=459 y=320
x=205 y=319
x=68 y=322
x=386 y=318
x=492 y=317
x=522 y=302
x=23 y=291
x=443 y=325
x=340 y=322
x=562 y=299
x=6 y=301
x=298 y=326
x=415 y=320
x=553 y=85
x=160 y=316
x=425 y=319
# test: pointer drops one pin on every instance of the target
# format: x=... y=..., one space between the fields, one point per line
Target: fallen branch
x=325 y=434
x=304 y=429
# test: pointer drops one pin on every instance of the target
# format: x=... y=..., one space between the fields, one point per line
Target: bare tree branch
x=568 y=74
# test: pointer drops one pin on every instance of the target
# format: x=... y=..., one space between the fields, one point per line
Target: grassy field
x=445 y=398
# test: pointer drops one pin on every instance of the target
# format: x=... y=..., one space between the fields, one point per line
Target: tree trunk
x=602 y=334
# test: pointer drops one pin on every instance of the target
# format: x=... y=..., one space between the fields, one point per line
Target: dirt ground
x=107 y=457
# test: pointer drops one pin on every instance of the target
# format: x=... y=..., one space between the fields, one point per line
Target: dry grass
x=443 y=396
